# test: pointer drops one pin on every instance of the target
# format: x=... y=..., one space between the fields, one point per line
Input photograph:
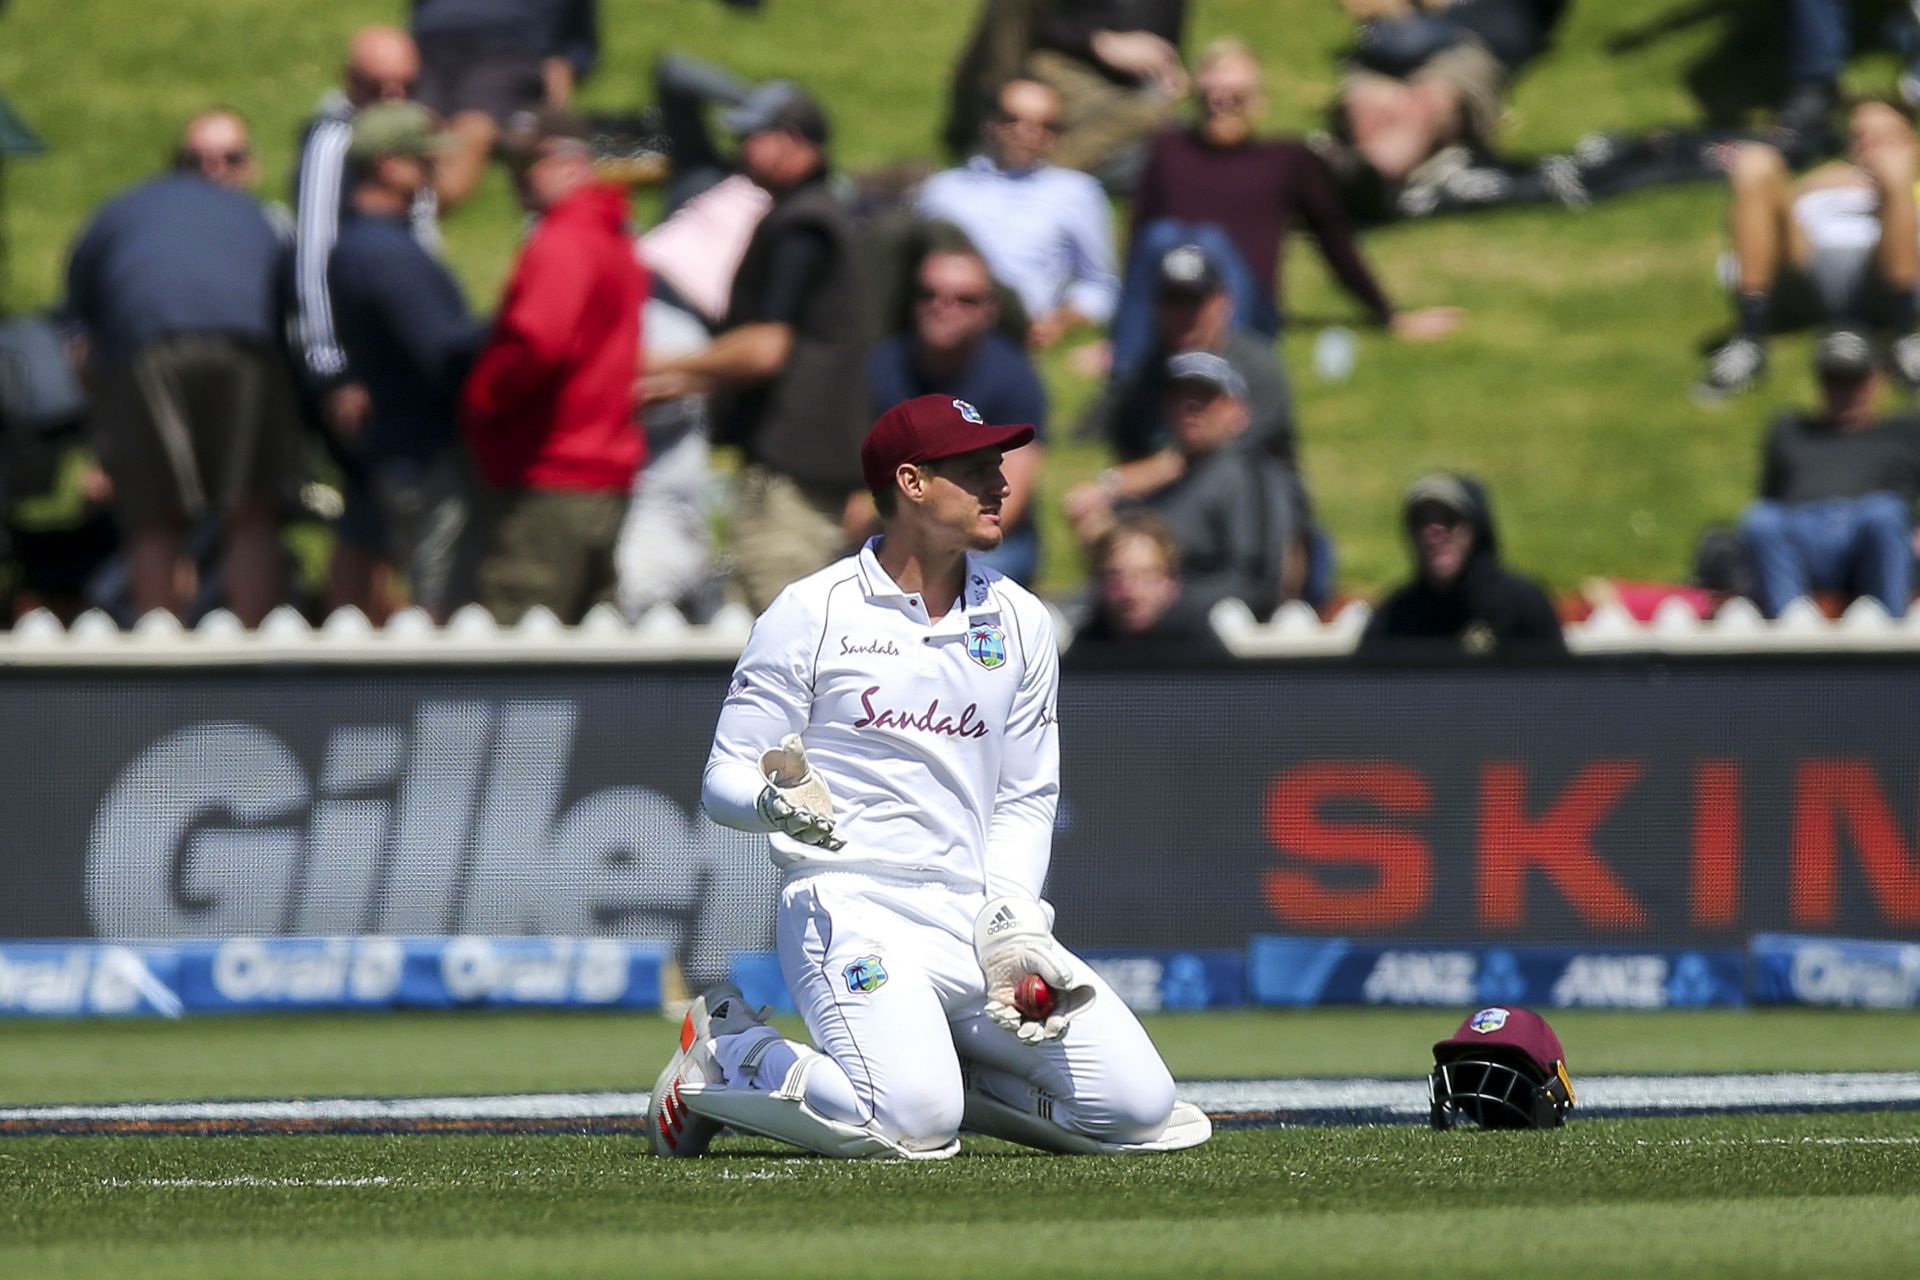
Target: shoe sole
x=674 y=1130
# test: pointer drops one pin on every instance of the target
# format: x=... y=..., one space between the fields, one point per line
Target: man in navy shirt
x=177 y=283
x=954 y=349
x=403 y=324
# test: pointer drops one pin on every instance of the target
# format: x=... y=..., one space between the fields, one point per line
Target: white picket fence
x=472 y=637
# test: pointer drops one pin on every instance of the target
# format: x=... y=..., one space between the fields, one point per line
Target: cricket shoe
x=1735 y=367
x=1903 y=356
x=717 y=1011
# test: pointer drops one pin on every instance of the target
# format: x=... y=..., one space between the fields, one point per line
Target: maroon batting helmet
x=1503 y=1069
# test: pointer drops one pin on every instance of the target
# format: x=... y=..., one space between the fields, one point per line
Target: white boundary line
x=1283 y=1098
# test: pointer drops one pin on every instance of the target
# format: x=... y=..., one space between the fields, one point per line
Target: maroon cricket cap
x=928 y=428
x=1517 y=1030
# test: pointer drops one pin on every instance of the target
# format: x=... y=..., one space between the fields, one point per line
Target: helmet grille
x=1492 y=1095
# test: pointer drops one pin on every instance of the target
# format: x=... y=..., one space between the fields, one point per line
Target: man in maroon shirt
x=548 y=412
x=1217 y=185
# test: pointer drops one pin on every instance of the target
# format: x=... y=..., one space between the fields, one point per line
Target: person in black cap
x=788 y=368
x=1192 y=312
x=1461 y=600
x=1835 y=511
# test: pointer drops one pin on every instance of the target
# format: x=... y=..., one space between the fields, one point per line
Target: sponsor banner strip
x=1234 y=1103
x=264 y=974
x=1317 y=971
x=169 y=979
x=1795 y=969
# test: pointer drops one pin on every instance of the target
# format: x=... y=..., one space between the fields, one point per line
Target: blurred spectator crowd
x=239 y=366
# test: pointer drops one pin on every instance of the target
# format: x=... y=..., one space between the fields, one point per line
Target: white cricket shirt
x=937 y=739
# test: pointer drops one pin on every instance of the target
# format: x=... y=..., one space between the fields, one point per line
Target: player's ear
x=911 y=479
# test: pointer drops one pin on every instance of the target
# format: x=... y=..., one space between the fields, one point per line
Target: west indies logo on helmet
x=1503 y=1069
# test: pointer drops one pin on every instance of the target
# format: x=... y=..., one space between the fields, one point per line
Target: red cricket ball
x=1033 y=998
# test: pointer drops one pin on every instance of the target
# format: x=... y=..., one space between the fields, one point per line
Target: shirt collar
x=978 y=599
x=982 y=163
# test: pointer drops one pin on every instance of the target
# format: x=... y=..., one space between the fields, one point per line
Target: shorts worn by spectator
x=1462 y=601
x=1835 y=511
x=548 y=413
x=1141 y=616
x=1114 y=63
x=483 y=61
x=1235 y=512
x=1216 y=183
x=176 y=284
x=503 y=56
x=1429 y=75
x=404 y=328
x=1840 y=244
x=1045 y=230
x=953 y=348
x=788 y=370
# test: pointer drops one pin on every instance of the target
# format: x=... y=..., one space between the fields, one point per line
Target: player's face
x=963 y=497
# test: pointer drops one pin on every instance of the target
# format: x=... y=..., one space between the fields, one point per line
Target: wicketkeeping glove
x=1012 y=939
x=795 y=799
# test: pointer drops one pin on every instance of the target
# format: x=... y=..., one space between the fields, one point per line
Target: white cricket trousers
x=885 y=975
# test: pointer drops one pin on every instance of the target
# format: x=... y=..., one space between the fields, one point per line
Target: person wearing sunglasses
x=1045 y=230
x=1462 y=601
x=175 y=286
x=953 y=347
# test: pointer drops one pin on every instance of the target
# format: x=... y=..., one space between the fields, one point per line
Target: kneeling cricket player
x=891 y=726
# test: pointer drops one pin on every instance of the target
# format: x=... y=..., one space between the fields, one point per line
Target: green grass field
x=1715 y=1196
x=1568 y=389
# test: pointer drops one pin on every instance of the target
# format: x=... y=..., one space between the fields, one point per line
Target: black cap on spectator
x=779 y=104
x=1843 y=353
x=1187 y=272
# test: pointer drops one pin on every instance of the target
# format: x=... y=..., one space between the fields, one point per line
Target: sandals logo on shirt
x=987 y=645
x=866 y=975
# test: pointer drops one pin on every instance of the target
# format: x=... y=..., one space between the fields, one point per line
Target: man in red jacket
x=548 y=412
